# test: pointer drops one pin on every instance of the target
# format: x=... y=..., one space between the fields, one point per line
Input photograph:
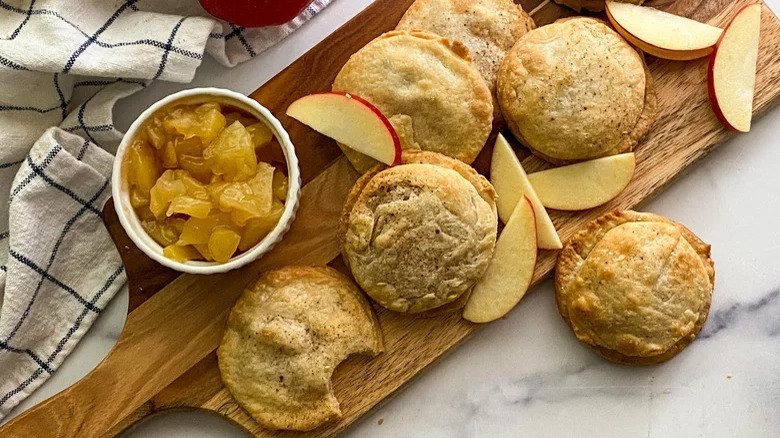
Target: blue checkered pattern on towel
x=63 y=65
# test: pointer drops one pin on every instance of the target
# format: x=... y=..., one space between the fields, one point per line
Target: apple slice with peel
x=662 y=34
x=351 y=121
x=732 y=71
x=511 y=183
x=584 y=185
x=510 y=271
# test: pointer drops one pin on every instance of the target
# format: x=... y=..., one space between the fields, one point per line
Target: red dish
x=255 y=13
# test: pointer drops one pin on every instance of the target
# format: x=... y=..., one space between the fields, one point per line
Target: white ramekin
x=130 y=221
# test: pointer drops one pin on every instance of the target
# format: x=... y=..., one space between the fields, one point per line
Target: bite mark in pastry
x=285 y=336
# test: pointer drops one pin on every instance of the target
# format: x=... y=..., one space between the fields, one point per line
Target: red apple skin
x=711 y=79
x=658 y=52
x=255 y=13
x=385 y=121
x=711 y=92
x=388 y=125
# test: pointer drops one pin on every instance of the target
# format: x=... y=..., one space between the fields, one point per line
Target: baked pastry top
x=488 y=28
x=285 y=336
x=575 y=90
x=636 y=287
x=429 y=90
x=419 y=235
x=592 y=5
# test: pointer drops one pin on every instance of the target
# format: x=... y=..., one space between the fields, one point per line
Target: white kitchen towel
x=63 y=65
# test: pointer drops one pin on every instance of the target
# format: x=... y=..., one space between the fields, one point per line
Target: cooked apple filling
x=201 y=182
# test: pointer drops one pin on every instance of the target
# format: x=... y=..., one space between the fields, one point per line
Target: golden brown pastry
x=419 y=235
x=488 y=28
x=286 y=335
x=635 y=287
x=575 y=90
x=591 y=5
x=428 y=89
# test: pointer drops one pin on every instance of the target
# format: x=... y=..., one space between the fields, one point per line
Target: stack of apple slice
x=511 y=183
x=521 y=206
x=733 y=52
x=528 y=227
x=509 y=274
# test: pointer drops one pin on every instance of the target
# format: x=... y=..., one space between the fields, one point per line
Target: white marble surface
x=527 y=375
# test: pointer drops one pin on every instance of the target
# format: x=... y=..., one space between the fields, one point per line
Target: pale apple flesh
x=662 y=29
x=732 y=71
x=662 y=34
x=351 y=121
x=584 y=185
x=511 y=183
x=511 y=270
x=672 y=55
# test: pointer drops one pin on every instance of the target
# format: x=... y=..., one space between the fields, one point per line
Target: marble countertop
x=527 y=375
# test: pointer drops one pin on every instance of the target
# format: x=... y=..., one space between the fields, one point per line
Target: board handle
x=139 y=366
x=73 y=412
x=76 y=411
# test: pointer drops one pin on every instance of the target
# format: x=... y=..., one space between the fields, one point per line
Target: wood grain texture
x=165 y=357
x=175 y=329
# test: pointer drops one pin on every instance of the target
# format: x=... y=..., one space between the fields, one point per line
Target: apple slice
x=732 y=72
x=510 y=271
x=351 y=121
x=584 y=185
x=662 y=34
x=511 y=184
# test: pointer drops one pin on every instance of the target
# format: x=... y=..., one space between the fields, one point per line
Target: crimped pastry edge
x=572 y=252
x=410 y=156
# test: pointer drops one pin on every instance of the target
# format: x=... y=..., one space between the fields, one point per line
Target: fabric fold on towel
x=70 y=272
x=63 y=66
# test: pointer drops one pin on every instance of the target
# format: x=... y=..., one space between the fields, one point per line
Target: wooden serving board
x=165 y=357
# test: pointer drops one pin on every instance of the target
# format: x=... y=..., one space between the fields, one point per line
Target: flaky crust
x=591 y=5
x=635 y=287
x=285 y=336
x=427 y=87
x=488 y=28
x=575 y=90
x=480 y=183
x=419 y=235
